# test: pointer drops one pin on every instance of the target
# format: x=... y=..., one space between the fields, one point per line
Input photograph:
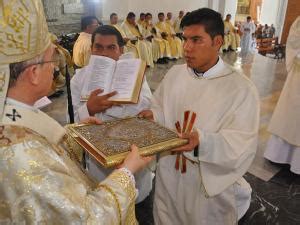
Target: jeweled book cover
x=110 y=142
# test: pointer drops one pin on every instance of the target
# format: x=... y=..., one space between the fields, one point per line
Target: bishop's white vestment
x=40 y=184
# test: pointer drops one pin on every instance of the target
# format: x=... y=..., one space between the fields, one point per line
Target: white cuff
x=128 y=173
x=83 y=112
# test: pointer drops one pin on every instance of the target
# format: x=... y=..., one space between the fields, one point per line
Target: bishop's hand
x=134 y=161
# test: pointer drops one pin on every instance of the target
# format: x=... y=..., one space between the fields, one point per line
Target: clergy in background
x=231 y=38
x=141 y=20
x=169 y=19
x=177 y=22
x=82 y=46
x=284 y=144
x=132 y=31
x=247 y=29
x=129 y=47
x=167 y=32
x=42 y=181
x=108 y=42
x=163 y=51
x=206 y=184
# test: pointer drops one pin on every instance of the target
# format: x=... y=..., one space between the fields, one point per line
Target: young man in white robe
x=247 y=29
x=284 y=144
x=41 y=179
x=107 y=41
x=82 y=46
x=222 y=144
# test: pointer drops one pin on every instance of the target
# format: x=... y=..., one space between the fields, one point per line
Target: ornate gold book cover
x=110 y=142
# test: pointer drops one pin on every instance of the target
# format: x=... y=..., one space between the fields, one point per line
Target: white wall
x=269 y=11
x=122 y=7
x=117 y=6
x=273 y=12
x=230 y=7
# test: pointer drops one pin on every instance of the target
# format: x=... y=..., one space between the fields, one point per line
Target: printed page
x=125 y=77
x=100 y=69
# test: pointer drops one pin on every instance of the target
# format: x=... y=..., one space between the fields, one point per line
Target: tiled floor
x=275 y=200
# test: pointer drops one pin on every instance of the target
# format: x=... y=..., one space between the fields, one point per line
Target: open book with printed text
x=124 y=76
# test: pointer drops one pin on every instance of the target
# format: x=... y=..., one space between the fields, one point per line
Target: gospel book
x=124 y=76
x=110 y=142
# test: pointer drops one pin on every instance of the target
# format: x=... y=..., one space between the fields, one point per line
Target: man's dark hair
x=210 y=19
x=87 y=20
x=148 y=14
x=108 y=30
x=161 y=14
x=248 y=17
x=142 y=14
x=228 y=15
x=112 y=15
x=130 y=15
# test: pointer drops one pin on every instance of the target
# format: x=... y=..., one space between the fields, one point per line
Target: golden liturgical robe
x=40 y=184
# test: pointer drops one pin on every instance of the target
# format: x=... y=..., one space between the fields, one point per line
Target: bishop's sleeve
x=226 y=155
x=39 y=187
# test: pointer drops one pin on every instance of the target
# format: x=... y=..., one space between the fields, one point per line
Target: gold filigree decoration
x=116 y=200
x=15 y=26
x=125 y=182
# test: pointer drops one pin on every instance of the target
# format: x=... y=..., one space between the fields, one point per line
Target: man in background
x=167 y=32
x=169 y=19
x=231 y=37
x=133 y=32
x=247 y=29
x=82 y=46
x=129 y=47
x=177 y=22
x=108 y=42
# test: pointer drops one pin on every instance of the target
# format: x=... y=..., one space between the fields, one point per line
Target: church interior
x=275 y=197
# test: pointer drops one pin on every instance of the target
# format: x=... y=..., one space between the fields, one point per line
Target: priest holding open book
x=110 y=87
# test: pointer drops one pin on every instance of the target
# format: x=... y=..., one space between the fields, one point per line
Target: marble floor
x=276 y=191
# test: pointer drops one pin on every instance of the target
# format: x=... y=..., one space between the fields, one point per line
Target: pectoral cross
x=14 y=115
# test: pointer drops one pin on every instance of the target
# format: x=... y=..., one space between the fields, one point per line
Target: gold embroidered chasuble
x=41 y=184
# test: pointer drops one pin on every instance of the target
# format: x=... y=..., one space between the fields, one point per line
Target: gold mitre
x=23 y=36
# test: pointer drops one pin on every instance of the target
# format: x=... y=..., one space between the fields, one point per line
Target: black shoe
x=161 y=61
x=165 y=61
